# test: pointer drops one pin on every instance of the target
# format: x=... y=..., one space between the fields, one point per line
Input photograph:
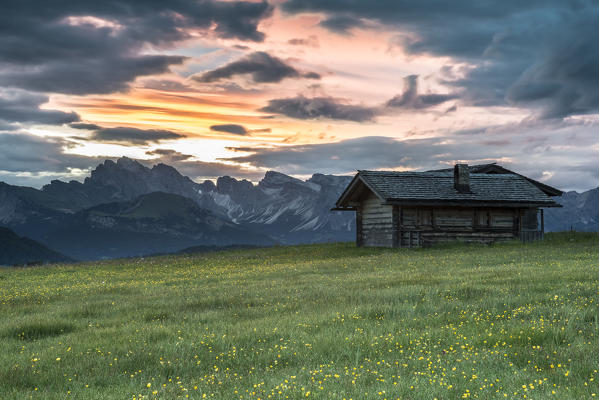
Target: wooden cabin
x=483 y=203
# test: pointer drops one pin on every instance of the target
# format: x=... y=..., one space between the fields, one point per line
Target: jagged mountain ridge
x=286 y=209
x=289 y=209
x=122 y=180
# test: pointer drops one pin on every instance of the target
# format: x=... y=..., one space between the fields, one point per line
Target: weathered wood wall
x=377 y=222
x=424 y=226
x=530 y=219
x=395 y=226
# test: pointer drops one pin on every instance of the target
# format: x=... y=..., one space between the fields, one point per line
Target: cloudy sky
x=299 y=86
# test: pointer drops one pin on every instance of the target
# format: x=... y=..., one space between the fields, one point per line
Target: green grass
x=323 y=321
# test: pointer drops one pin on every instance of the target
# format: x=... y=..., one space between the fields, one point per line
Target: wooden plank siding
x=423 y=226
x=396 y=222
x=377 y=222
x=398 y=226
x=359 y=236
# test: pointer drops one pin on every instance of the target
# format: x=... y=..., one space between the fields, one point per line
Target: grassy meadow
x=322 y=321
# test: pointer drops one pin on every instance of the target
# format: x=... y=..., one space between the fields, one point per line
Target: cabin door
x=410 y=238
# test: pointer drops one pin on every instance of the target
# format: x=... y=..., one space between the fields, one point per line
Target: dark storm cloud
x=89 y=46
x=341 y=24
x=133 y=135
x=462 y=27
x=112 y=73
x=538 y=54
x=301 y=107
x=411 y=99
x=311 y=75
x=166 y=85
x=320 y=107
x=6 y=126
x=260 y=66
x=344 y=156
x=85 y=126
x=19 y=106
x=168 y=154
x=23 y=152
x=230 y=128
x=564 y=82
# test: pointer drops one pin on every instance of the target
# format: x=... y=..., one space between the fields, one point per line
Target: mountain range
x=580 y=212
x=125 y=208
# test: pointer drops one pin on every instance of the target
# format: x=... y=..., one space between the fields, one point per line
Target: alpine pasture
x=325 y=321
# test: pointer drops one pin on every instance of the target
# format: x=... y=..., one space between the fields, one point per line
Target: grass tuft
x=37 y=330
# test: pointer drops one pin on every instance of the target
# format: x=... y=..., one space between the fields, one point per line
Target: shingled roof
x=437 y=188
x=494 y=168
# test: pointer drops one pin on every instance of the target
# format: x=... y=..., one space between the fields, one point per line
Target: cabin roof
x=494 y=168
x=437 y=188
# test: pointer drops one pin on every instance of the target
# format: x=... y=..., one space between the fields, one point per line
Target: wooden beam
x=520 y=218
x=400 y=232
x=395 y=227
x=359 y=241
x=467 y=204
x=542 y=222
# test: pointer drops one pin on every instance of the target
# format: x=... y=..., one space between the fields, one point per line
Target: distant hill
x=152 y=223
x=210 y=249
x=580 y=212
x=16 y=250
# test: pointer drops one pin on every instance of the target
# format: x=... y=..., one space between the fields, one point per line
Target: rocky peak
x=130 y=165
x=225 y=182
x=227 y=185
x=123 y=171
x=277 y=179
x=329 y=180
x=56 y=184
x=166 y=171
x=207 y=186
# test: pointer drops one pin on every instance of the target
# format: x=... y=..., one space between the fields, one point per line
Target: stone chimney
x=461 y=178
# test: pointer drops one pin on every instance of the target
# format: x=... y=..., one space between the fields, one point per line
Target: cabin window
x=483 y=218
x=409 y=216
x=454 y=218
x=529 y=220
x=424 y=217
x=502 y=220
